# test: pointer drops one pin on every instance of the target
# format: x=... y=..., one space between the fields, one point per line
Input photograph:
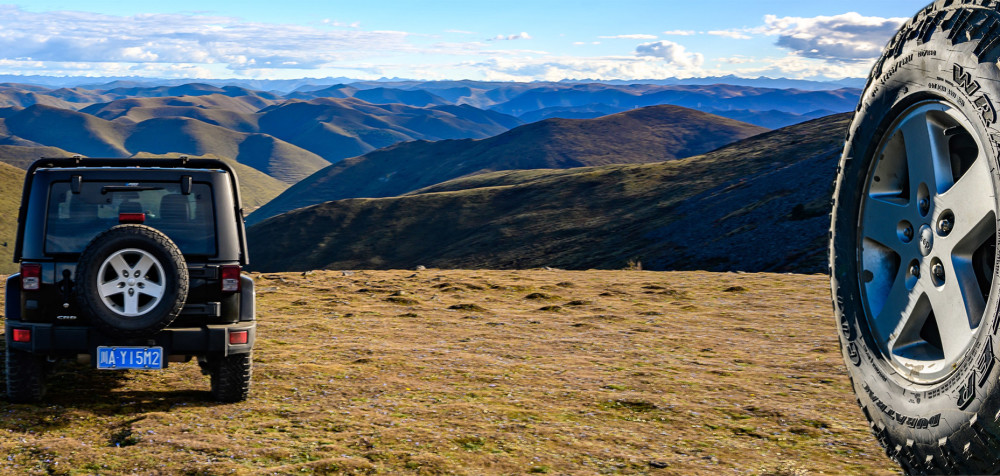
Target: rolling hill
x=80 y=133
x=69 y=130
x=759 y=204
x=340 y=128
x=240 y=110
x=644 y=135
x=11 y=182
x=22 y=156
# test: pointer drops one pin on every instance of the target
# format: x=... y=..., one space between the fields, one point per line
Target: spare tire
x=913 y=246
x=132 y=281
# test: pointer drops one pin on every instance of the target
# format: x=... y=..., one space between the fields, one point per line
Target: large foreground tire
x=25 y=376
x=914 y=243
x=231 y=377
x=132 y=280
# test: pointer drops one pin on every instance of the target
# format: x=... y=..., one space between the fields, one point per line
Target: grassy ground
x=473 y=372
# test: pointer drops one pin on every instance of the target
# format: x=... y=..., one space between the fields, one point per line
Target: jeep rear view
x=130 y=264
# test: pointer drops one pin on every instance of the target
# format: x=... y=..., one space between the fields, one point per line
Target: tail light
x=230 y=278
x=31 y=276
x=22 y=335
x=238 y=337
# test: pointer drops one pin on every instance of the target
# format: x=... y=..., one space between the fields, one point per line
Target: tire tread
x=25 y=376
x=230 y=377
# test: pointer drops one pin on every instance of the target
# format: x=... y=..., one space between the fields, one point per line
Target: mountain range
x=495 y=157
x=651 y=134
x=760 y=204
x=528 y=101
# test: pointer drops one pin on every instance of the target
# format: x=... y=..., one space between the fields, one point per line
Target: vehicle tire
x=914 y=239
x=132 y=281
x=25 y=376
x=230 y=376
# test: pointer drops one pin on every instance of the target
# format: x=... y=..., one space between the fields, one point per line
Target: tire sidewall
x=906 y=409
x=175 y=280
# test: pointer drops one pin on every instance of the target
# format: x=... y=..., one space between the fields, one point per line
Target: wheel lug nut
x=915 y=271
x=908 y=232
x=944 y=226
x=938 y=270
x=925 y=205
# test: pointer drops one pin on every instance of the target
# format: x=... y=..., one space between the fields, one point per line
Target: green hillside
x=650 y=134
x=759 y=204
x=11 y=182
x=21 y=156
x=69 y=130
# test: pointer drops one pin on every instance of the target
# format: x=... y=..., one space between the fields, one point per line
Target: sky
x=509 y=40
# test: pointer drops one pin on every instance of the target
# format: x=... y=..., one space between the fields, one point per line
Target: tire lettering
x=963 y=79
x=985 y=363
x=903 y=420
x=967 y=393
x=896 y=67
x=852 y=353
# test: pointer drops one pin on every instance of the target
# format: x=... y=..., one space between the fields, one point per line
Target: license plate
x=130 y=357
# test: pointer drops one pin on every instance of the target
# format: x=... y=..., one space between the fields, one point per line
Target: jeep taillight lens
x=238 y=337
x=21 y=335
x=230 y=278
x=31 y=276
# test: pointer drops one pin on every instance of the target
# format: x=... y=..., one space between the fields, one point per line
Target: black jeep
x=130 y=264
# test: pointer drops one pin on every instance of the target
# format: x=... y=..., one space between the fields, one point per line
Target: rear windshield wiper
x=127 y=188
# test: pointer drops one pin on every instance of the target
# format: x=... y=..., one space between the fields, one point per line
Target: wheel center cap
x=131 y=281
x=926 y=240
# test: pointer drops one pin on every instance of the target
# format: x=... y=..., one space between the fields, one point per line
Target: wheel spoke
x=958 y=307
x=971 y=200
x=927 y=157
x=119 y=265
x=881 y=218
x=111 y=288
x=897 y=309
x=151 y=289
x=144 y=265
x=131 y=304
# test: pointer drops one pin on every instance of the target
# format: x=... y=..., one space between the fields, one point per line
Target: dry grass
x=459 y=372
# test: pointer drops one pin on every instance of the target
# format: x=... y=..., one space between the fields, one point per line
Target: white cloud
x=518 y=36
x=327 y=21
x=57 y=38
x=672 y=52
x=561 y=68
x=679 y=32
x=846 y=37
x=797 y=67
x=630 y=37
x=734 y=34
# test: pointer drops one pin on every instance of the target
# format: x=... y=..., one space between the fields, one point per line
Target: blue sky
x=483 y=40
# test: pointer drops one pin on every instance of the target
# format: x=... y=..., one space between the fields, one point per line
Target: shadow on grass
x=77 y=389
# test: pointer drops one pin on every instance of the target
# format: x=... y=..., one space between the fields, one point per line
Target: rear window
x=74 y=219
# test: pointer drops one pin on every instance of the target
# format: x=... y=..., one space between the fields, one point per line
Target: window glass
x=75 y=219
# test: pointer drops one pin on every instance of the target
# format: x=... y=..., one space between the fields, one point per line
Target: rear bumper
x=69 y=341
